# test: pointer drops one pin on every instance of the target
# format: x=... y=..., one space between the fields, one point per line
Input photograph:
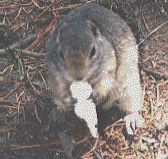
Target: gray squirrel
x=94 y=44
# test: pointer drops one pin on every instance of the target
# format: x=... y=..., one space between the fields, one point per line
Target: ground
x=26 y=99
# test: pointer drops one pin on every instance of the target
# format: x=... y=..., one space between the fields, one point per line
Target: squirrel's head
x=79 y=51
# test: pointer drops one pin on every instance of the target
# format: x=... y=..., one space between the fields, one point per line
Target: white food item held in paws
x=84 y=108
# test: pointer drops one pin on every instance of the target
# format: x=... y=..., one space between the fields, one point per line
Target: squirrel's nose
x=79 y=78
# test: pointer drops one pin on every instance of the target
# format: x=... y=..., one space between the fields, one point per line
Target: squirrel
x=95 y=45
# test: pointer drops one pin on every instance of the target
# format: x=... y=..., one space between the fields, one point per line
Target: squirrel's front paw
x=58 y=115
x=132 y=121
x=56 y=118
x=69 y=101
x=96 y=97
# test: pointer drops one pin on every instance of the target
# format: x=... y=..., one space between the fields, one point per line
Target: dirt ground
x=27 y=132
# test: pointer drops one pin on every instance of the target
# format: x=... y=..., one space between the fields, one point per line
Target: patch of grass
x=137 y=152
x=150 y=150
x=17 y=61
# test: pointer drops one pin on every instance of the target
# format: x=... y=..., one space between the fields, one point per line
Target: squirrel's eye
x=92 y=52
x=62 y=56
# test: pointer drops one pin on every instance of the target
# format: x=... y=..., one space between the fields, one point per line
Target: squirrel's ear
x=94 y=29
x=58 y=37
x=61 y=30
x=64 y=24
